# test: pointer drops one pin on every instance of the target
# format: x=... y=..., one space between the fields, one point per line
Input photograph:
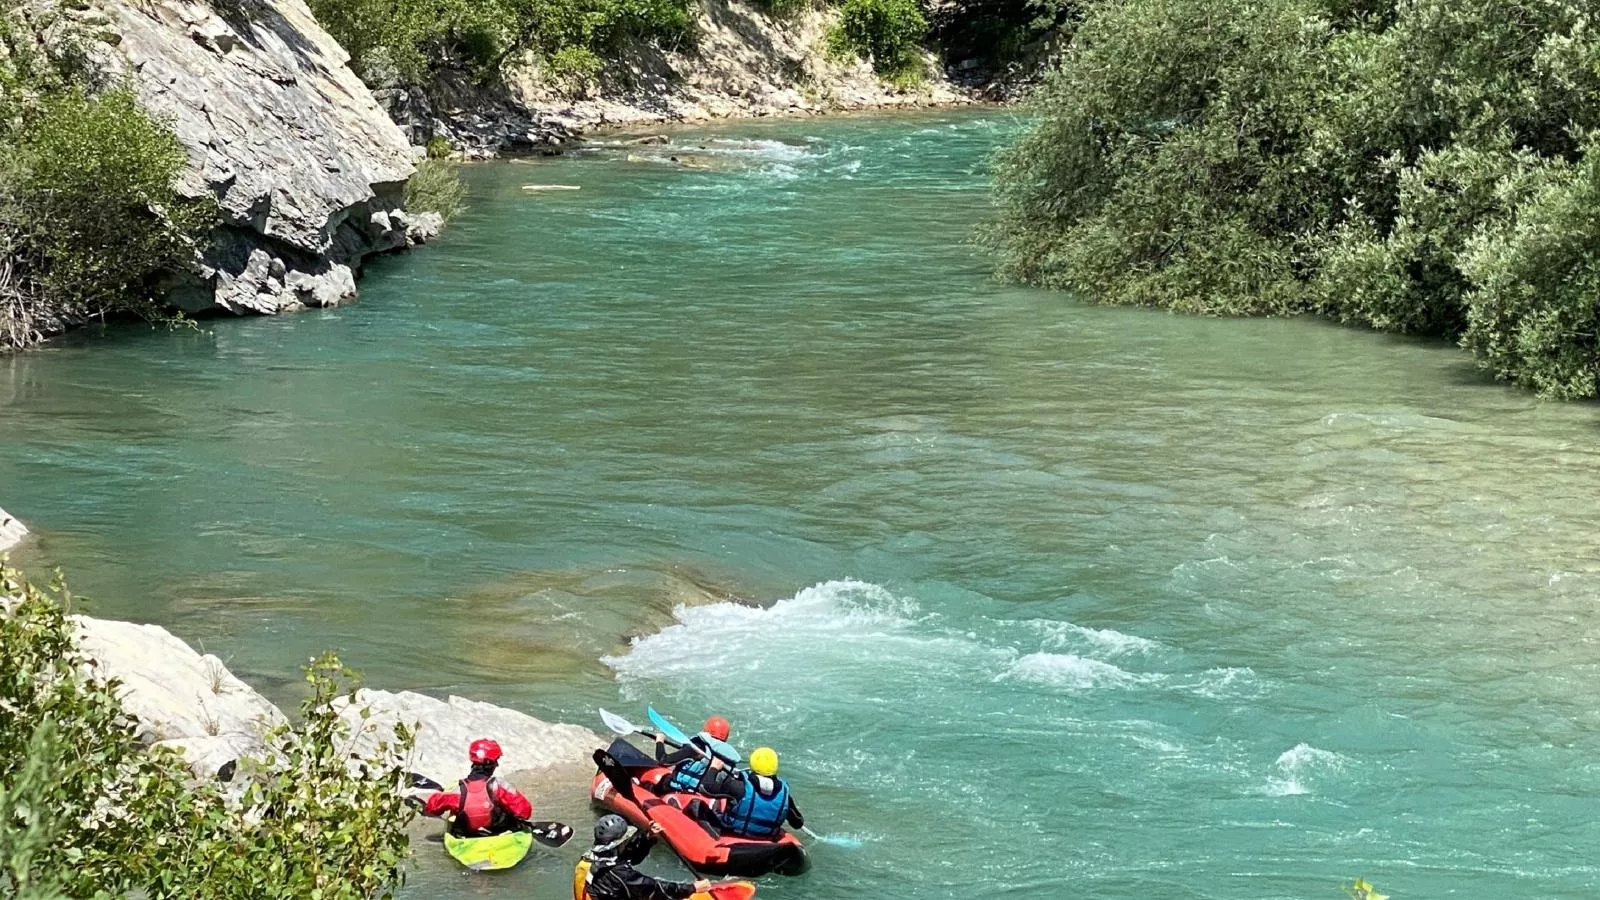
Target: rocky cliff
x=743 y=62
x=307 y=168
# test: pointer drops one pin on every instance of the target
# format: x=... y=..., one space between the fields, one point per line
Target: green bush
x=89 y=218
x=1377 y=161
x=88 y=190
x=574 y=69
x=409 y=40
x=436 y=187
x=439 y=147
x=785 y=9
x=886 y=32
x=86 y=809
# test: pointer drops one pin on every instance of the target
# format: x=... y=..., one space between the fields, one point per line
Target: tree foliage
x=87 y=810
x=406 y=40
x=89 y=218
x=886 y=32
x=1410 y=165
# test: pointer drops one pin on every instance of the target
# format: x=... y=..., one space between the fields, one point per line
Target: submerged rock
x=11 y=531
x=298 y=154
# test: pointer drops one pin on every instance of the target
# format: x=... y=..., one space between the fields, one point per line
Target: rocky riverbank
x=744 y=63
x=190 y=702
x=307 y=169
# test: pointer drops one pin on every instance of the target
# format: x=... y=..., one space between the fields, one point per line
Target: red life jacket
x=479 y=809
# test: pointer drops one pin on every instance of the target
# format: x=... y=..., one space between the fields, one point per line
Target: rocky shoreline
x=746 y=63
x=190 y=702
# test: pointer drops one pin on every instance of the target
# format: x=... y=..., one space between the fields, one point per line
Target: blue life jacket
x=687 y=775
x=757 y=815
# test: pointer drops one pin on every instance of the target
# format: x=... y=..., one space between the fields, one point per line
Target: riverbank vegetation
x=887 y=33
x=89 y=220
x=88 y=810
x=407 y=41
x=1423 y=167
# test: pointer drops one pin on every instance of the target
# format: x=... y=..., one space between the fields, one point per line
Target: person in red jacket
x=483 y=804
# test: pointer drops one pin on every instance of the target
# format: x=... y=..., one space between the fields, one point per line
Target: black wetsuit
x=730 y=786
x=612 y=875
x=682 y=754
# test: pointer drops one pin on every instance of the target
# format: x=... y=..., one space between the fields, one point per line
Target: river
x=1047 y=599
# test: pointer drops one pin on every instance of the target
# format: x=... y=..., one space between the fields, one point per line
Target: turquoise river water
x=1038 y=599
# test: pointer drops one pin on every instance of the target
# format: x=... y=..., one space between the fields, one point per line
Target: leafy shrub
x=408 y=40
x=886 y=32
x=89 y=218
x=1533 y=310
x=1390 y=164
x=574 y=69
x=87 y=810
x=439 y=147
x=436 y=187
x=784 y=9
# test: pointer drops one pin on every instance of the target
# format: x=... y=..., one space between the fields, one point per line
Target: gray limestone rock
x=302 y=160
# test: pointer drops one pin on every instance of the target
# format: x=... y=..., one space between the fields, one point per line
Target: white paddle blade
x=617 y=723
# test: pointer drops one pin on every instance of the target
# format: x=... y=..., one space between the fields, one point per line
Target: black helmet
x=609 y=830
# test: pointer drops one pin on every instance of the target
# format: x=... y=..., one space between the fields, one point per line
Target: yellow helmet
x=764 y=761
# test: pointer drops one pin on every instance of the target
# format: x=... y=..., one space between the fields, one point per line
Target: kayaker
x=607 y=871
x=693 y=761
x=483 y=804
x=754 y=804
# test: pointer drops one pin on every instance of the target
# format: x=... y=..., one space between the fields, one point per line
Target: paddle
x=550 y=834
x=676 y=735
x=732 y=890
x=624 y=728
x=833 y=840
x=618 y=724
x=616 y=774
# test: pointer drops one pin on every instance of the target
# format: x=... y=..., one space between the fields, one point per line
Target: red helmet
x=483 y=750
x=717 y=727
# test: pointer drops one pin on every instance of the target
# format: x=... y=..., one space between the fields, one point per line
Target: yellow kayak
x=482 y=854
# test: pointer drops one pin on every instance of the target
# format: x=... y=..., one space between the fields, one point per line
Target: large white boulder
x=184 y=699
x=11 y=531
x=444 y=729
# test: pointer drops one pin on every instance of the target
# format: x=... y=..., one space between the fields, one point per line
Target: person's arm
x=637 y=847
x=641 y=885
x=676 y=756
x=442 y=803
x=514 y=801
x=725 y=784
x=793 y=816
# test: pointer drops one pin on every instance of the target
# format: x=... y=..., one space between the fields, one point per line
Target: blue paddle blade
x=673 y=732
x=676 y=735
x=724 y=750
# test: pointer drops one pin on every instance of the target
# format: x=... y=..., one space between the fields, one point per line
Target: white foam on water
x=1298 y=768
x=776 y=151
x=1227 y=683
x=1109 y=641
x=835 y=623
x=1071 y=672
